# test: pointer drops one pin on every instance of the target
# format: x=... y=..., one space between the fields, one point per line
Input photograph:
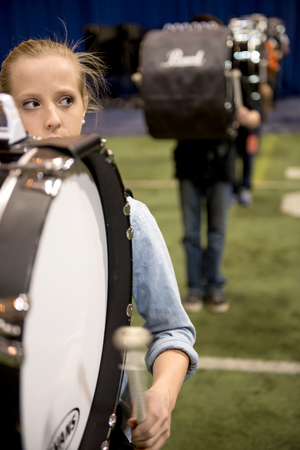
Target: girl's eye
x=67 y=101
x=31 y=104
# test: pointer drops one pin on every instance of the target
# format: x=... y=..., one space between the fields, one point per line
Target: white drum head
x=64 y=329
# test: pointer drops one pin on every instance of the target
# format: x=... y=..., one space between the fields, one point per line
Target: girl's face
x=46 y=93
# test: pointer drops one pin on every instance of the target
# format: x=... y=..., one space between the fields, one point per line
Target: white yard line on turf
x=249 y=365
x=151 y=184
x=172 y=184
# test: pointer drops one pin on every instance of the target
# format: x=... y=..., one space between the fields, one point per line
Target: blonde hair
x=91 y=81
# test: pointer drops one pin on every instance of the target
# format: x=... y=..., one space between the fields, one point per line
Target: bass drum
x=65 y=287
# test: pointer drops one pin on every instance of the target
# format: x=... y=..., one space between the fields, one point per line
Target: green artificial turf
x=233 y=410
x=237 y=411
x=143 y=157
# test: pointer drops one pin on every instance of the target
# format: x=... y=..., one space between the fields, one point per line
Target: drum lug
x=103 y=143
x=129 y=233
x=10 y=329
x=14 y=308
x=49 y=186
x=51 y=165
x=110 y=157
x=12 y=311
x=126 y=209
x=105 y=445
x=11 y=352
x=112 y=420
x=129 y=310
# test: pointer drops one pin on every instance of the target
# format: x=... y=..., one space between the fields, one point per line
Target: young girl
x=53 y=87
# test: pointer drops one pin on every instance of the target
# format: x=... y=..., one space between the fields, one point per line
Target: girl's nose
x=53 y=120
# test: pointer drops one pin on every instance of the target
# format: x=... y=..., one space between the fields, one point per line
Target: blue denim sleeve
x=155 y=290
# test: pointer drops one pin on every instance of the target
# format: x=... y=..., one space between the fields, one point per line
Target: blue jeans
x=203 y=265
x=248 y=163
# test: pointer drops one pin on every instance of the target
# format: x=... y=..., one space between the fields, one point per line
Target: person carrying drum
x=205 y=169
x=53 y=87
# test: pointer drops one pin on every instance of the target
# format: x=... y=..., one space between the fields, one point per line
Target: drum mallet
x=237 y=90
x=132 y=340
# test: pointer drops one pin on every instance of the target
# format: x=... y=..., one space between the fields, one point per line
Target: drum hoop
x=112 y=194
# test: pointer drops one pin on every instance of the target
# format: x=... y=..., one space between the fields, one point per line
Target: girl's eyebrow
x=66 y=91
x=26 y=94
x=61 y=91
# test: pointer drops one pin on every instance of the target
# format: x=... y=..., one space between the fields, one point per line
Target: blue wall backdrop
x=22 y=19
